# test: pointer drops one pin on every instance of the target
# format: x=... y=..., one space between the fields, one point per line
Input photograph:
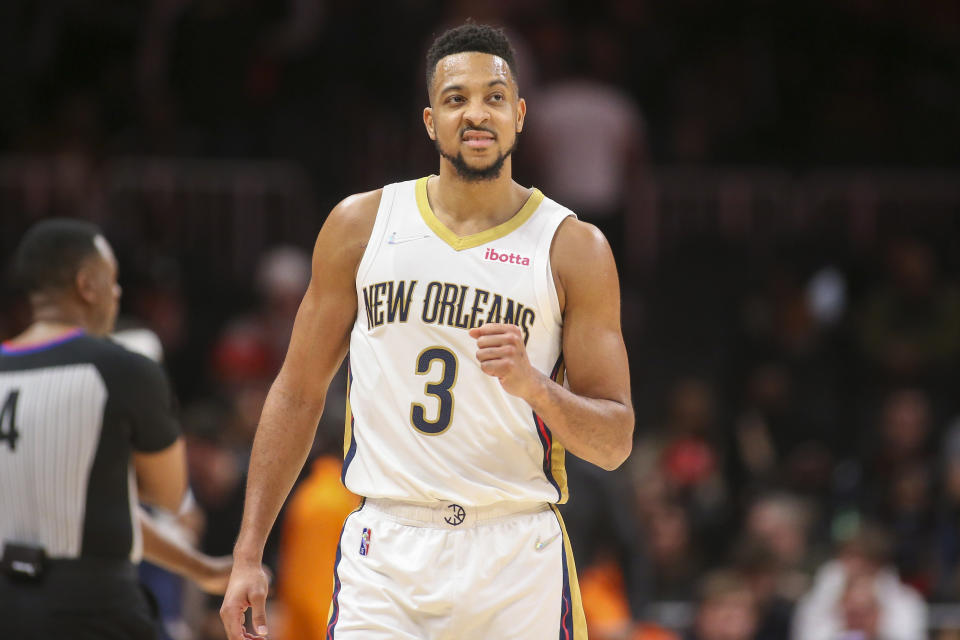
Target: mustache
x=466 y=130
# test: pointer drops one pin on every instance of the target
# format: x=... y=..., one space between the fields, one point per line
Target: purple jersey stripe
x=566 y=604
x=9 y=349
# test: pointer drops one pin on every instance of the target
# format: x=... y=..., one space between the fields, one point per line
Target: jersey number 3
x=440 y=389
x=8 y=420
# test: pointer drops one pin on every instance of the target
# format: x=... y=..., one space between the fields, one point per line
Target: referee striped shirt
x=72 y=411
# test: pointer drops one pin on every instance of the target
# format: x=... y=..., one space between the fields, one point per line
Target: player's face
x=104 y=296
x=475 y=114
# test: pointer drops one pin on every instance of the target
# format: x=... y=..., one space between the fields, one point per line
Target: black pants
x=77 y=599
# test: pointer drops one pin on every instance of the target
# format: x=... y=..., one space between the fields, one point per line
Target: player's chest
x=426 y=282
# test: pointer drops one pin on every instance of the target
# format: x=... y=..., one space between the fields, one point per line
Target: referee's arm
x=162 y=476
x=159 y=454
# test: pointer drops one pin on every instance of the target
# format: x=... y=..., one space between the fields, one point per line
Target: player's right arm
x=294 y=404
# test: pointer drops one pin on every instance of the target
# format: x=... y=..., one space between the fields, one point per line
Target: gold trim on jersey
x=558 y=454
x=347 y=421
x=558 y=467
x=578 y=616
x=460 y=243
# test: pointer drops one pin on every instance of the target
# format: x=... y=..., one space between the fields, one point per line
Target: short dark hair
x=481 y=38
x=721 y=583
x=51 y=252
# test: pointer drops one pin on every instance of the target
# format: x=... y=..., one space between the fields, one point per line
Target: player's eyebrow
x=460 y=87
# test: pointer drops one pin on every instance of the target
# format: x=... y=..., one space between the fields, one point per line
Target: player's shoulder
x=346 y=231
x=578 y=243
x=580 y=258
x=582 y=264
x=356 y=212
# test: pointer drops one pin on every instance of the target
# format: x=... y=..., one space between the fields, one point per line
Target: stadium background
x=780 y=183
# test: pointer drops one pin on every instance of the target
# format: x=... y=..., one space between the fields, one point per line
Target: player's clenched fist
x=502 y=354
x=247 y=589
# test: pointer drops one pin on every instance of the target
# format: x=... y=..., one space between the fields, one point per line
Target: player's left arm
x=594 y=418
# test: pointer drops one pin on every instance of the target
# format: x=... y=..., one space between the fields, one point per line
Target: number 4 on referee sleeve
x=8 y=420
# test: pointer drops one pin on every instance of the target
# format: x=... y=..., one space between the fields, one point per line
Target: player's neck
x=486 y=203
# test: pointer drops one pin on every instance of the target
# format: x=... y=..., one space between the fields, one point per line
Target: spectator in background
x=860 y=610
x=841 y=595
x=786 y=429
x=898 y=482
x=216 y=471
x=604 y=597
x=946 y=560
x=674 y=555
x=775 y=444
x=650 y=631
x=910 y=324
x=252 y=346
x=589 y=141
x=682 y=455
x=760 y=570
x=249 y=350
x=679 y=492
x=781 y=523
x=727 y=609
x=772 y=558
x=763 y=415
x=908 y=513
x=691 y=460
x=905 y=426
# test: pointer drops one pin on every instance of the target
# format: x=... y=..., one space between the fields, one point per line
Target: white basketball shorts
x=449 y=572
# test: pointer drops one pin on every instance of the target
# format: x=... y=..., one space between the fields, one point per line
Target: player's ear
x=521 y=113
x=428 y=122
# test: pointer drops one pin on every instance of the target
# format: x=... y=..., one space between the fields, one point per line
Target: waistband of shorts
x=104 y=567
x=451 y=515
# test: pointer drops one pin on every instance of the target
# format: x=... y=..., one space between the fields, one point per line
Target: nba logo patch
x=365 y=541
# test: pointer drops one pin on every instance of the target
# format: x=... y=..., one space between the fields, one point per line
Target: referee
x=86 y=430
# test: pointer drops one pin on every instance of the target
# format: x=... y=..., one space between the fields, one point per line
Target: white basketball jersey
x=424 y=423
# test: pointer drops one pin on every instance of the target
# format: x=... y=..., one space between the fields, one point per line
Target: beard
x=477 y=174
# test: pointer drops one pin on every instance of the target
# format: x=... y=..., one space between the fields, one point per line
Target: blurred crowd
x=797 y=477
x=796 y=472
x=338 y=85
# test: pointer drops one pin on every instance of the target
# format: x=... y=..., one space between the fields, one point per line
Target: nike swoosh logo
x=539 y=546
x=394 y=239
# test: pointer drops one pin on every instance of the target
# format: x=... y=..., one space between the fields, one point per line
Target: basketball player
x=75 y=411
x=482 y=321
